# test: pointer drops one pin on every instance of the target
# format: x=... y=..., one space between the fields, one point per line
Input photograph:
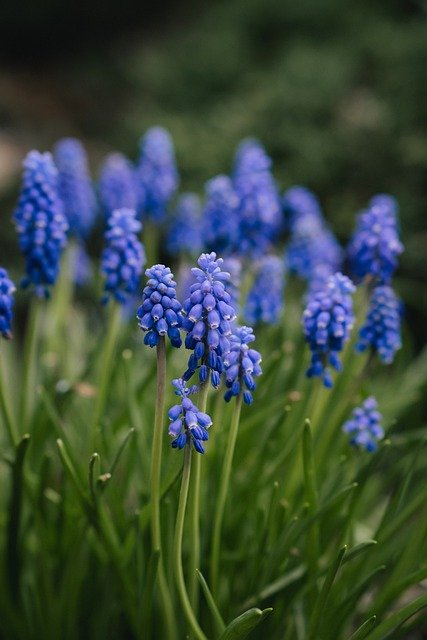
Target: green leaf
x=364 y=629
x=217 y=618
x=242 y=626
x=396 y=619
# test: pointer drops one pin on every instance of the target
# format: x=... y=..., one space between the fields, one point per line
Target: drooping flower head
x=300 y=202
x=381 y=331
x=185 y=234
x=241 y=365
x=40 y=222
x=157 y=172
x=375 y=245
x=7 y=289
x=265 y=299
x=118 y=188
x=220 y=215
x=364 y=426
x=75 y=186
x=188 y=425
x=208 y=314
x=327 y=323
x=123 y=258
x=159 y=313
x=260 y=210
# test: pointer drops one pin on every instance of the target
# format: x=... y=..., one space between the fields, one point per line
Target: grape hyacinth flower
x=160 y=312
x=208 y=314
x=327 y=322
x=75 y=187
x=188 y=425
x=260 y=210
x=312 y=245
x=381 y=331
x=364 y=426
x=375 y=245
x=220 y=215
x=241 y=365
x=7 y=289
x=40 y=222
x=299 y=202
x=185 y=231
x=157 y=172
x=265 y=300
x=123 y=258
x=118 y=187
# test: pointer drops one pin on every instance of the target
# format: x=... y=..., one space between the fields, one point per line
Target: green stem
x=156 y=463
x=222 y=494
x=9 y=416
x=179 y=528
x=30 y=362
x=194 y=564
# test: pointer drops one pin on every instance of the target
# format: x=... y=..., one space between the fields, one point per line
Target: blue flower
x=208 y=314
x=220 y=215
x=7 y=289
x=118 y=188
x=241 y=365
x=185 y=231
x=40 y=222
x=157 y=172
x=75 y=186
x=160 y=312
x=260 y=210
x=364 y=426
x=381 y=331
x=187 y=423
x=299 y=202
x=375 y=245
x=327 y=322
x=265 y=299
x=123 y=257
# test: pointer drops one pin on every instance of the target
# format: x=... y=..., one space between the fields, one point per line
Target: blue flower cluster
x=188 y=424
x=364 y=426
x=265 y=299
x=160 y=312
x=299 y=201
x=7 y=289
x=185 y=231
x=327 y=322
x=75 y=186
x=381 y=331
x=208 y=316
x=241 y=365
x=118 y=188
x=157 y=173
x=40 y=222
x=220 y=220
x=123 y=257
x=375 y=245
x=260 y=209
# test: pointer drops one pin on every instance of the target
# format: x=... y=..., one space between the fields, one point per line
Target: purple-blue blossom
x=40 y=222
x=7 y=289
x=118 y=188
x=241 y=365
x=208 y=316
x=188 y=425
x=160 y=312
x=364 y=426
x=265 y=299
x=157 y=173
x=220 y=222
x=299 y=202
x=185 y=234
x=123 y=257
x=381 y=331
x=327 y=323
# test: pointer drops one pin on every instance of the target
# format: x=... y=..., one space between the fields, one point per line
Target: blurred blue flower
x=381 y=331
x=160 y=312
x=187 y=423
x=364 y=426
x=220 y=222
x=185 y=234
x=123 y=258
x=208 y=314
x=40 y=222
x=265 y=299
x=241 y=365
x=118 y=187
x=7 y=289
x=299 y=202
x=327 y=322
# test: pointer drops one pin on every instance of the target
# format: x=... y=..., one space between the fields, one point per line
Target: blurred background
x=335 y=90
